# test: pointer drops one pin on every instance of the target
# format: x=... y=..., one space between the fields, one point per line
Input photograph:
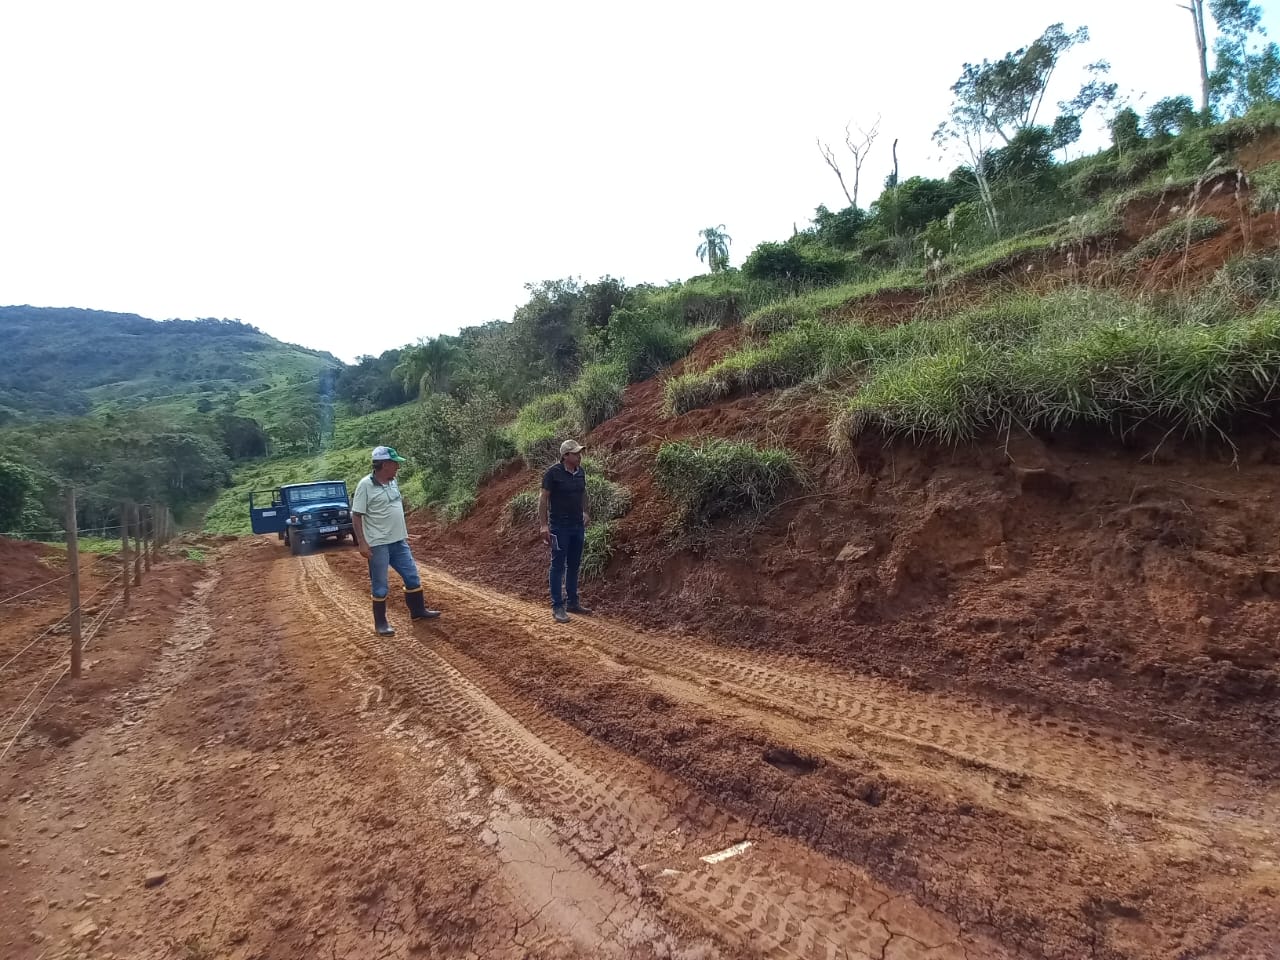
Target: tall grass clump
x=643 y=341
x=1002 y=253
x=788 y=358
x=597 y=394
x=606 y=499
x=712 y=300
x=825 y=301
x=1177 y=235
x=457 y=505
x=1101 y=223
x=782 y=315
x=597 y=550
x=1262 y=119
x=835 y=351
x=1265 y=182
x=1087 y=357
x=719 y=478
x=541 y=426
x=522 y=508
x=1250 y=277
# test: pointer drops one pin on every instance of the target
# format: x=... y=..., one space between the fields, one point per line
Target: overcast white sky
x=355 y=176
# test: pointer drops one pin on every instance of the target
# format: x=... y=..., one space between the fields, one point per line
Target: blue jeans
x=395 y=555
x=566 y=558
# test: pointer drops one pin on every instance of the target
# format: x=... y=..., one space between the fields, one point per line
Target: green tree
x=841 y=231
x=17 y=488
x=1126 y=130
x=548 y=333
x=1170 y=117
x=1008 y=95
x=369 y=384
x=429 y=366
x=490 y=363
x=714 y=248
x=598 y=301
x=1246 y=69
x=242 y=437
x=917 y=201
x=1005 y=98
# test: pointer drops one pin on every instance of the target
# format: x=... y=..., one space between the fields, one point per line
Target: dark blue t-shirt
x=566 y=492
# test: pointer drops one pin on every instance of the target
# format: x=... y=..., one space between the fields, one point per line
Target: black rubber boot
x=380 y=619
x=417 y=605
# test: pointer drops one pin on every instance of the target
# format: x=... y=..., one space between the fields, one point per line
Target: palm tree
x=428 y=366
x=714 y=248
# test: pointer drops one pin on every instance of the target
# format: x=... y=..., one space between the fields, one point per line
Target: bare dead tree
x=829 y=155
x=1196 y=9
x=860 y=148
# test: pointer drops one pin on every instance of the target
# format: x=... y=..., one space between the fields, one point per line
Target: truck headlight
x=342 y=513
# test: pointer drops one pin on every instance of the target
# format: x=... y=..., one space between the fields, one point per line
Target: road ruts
x=1087 y=773
x=639 y=831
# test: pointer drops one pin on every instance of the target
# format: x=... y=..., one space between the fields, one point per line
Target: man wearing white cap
x=377 y=514
x=563 y=515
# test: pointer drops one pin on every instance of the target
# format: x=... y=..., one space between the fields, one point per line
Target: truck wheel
x=297 y=545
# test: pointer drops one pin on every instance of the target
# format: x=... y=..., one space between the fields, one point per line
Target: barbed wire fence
x=143 y=529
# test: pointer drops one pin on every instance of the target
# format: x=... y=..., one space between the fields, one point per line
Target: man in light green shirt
x=377 y=513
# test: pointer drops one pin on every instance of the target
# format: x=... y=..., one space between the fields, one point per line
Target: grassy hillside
x=347 y=459
x=127 y=408
x=230 y=513
x=70 y=361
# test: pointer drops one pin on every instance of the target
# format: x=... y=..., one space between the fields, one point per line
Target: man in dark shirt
x=563 y=515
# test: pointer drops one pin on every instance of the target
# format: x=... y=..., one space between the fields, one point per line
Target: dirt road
x=493 y=785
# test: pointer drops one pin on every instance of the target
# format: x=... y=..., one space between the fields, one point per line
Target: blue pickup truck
x=303 y=514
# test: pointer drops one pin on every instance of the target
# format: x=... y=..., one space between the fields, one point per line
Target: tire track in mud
x=1083 y=774
x=641 y=833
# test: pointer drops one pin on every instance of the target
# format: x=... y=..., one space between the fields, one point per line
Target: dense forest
x=128 y=407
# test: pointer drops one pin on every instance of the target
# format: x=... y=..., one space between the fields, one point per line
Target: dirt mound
x=25 y=565
x=1135 y=581
x=1227 y=196
x=1259 y=153
x=1068 y=574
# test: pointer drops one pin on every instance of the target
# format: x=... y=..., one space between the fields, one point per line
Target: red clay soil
x=1136 y=582
x=1259 y=153
x=1199 y=262
x=1072 y=575
x=211 y=788
x=24 y=565
x=1227 y=196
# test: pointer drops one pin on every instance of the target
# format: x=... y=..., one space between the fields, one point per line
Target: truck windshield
x=316 y=492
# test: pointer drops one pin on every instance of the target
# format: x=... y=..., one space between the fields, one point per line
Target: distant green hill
x=69 y=362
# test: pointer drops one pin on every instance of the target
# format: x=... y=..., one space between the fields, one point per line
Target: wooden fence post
x=148 y=538
x=137 y=542
x=124 y=549
x=73 y=569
